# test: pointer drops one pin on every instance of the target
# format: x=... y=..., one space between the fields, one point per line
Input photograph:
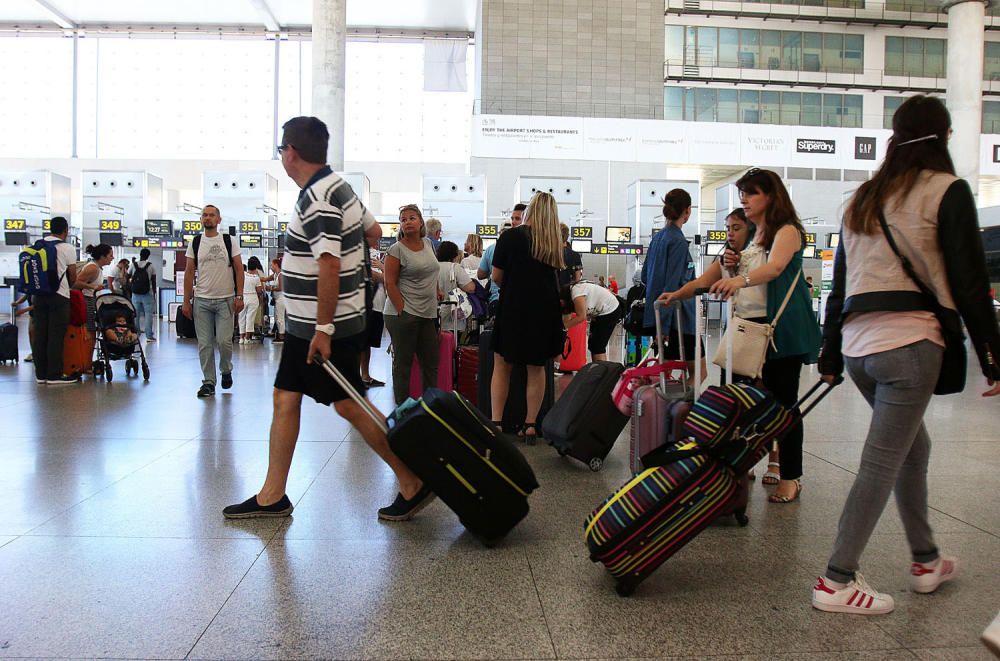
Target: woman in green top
x=796 y=336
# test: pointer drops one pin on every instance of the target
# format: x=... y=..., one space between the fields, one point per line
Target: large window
x=750 y=106
x=853 y=4
x=890 y=105
x=991 y=116
x=765 y=49
x=991 y=63
x=215 y=98
x=915 y=56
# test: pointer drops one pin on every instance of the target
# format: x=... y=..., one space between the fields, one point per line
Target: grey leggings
x=898 y=385
x=412 y=336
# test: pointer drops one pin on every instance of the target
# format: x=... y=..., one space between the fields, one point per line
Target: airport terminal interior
x=129 y=117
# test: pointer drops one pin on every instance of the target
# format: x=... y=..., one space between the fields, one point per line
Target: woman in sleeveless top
x=90 y=280
x=796 y=336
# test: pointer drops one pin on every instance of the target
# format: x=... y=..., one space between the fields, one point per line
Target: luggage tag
x=402 y=411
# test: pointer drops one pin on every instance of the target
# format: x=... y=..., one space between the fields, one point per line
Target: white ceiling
x=437 y=15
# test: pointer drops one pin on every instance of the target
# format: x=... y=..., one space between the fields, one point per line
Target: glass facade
x=852 y=4
x=765 y=49
x=991 y=116
x=751 y=106
x=915 y=56
x=991 y=61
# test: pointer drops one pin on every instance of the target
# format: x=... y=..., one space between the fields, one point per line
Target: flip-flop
x=784 y=500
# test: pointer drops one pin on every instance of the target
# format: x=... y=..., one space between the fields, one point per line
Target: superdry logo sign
x=809 y=146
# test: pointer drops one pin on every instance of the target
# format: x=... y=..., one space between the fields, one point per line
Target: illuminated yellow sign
x=193 y=226
x=810 y=238
x=582 y=232
x=717 y=236
x=111 y=225
x=487 y=230
x=249 y=226
x=283 y=226
x=47 y=225
x=15 y=224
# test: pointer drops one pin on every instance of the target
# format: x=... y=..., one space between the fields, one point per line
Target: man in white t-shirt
x=50 y=315
x=215 y=299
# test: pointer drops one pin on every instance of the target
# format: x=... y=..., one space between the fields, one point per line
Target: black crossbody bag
x=955 y=360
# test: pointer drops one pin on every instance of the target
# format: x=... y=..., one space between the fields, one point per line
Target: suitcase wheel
x=595 y=464
x=741 y=518
x=624 y=589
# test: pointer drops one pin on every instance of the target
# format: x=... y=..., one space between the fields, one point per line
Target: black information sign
x=488 y=231
x=283 y=226
x=250 y=241
x=191 y=227
x=386 y=242
x=616 y=249
x=581 y=232
x=613 y=234
x=16 y=238
x=717 y=236
x=113 y=239
x=833 y=240
x=15 y=225
x=47 y=225
x=157 y=242
x=249 y=226
x=810 y=238
x=159 y=227
x=110 y=225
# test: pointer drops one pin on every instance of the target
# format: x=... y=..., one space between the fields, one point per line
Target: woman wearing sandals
x=796 y=334
x=742 y=255
x=529 y=327
x=910 y=261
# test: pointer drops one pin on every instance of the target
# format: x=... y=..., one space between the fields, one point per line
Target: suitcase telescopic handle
x=657 y=304
x=342 y=381
x=819 y=398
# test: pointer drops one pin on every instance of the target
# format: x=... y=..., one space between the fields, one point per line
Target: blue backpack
x=39 y=268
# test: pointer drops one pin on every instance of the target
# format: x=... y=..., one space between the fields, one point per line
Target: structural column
x=966 y=35
x=329 y=58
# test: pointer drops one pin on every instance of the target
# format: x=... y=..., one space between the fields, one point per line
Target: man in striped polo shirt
x=323 y=282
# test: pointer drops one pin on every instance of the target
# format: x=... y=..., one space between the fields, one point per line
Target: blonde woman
x=529 y=328
x=473 y=252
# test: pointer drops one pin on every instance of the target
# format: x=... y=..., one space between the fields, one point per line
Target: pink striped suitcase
x=446 y=366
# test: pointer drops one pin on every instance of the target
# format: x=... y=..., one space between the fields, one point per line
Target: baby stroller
x=116 y=313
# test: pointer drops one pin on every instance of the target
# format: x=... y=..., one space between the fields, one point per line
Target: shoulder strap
x=788 y=297
x=907 y=264
x=195 y=245
x=228 y=240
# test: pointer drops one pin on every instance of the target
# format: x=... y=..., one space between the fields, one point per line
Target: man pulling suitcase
x=324 y=247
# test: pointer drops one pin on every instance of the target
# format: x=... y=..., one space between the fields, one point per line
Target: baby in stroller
x=120 y=333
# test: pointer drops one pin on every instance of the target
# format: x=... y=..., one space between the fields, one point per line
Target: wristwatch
x=239 y=296
x=325 y=328
x=746 y=279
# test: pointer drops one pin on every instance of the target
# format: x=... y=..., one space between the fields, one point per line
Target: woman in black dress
x=529 y=328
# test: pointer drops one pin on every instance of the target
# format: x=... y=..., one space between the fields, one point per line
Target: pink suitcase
x=446 y=363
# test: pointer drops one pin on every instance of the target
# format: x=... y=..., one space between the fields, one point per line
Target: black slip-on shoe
x=206 y=390
x=251 y=509
x=403 y=509
x=227 y=381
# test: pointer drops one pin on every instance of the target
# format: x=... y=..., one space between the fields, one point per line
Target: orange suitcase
x=78 y=350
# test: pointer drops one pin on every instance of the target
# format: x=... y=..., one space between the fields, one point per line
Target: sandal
x=529 y=439
x=772 y=476
x=782 y=499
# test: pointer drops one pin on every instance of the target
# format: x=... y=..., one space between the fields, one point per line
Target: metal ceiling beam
x=55 y=15
x=270 y=22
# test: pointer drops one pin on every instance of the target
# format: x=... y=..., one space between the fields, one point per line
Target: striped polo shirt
x=329 y=219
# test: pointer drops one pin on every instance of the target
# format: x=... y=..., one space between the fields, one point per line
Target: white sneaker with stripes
x=926 y=577
x=857 y=597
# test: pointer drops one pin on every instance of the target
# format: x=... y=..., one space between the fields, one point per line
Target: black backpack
x=139 y=282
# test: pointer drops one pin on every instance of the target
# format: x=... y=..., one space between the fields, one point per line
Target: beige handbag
x=750 y=341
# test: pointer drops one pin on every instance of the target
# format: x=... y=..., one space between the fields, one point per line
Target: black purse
x=955 y=360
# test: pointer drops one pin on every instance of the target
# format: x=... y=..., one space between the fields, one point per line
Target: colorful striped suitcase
x=650 y=518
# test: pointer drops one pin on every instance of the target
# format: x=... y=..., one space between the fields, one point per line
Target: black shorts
x=374 y=325
x=672 y=350
x=295 y=375
x=601 y=329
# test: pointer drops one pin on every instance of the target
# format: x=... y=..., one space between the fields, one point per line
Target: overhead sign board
x=581 y=232
x=716 y=236
x=250 y=240
x=156 y=227
x=192 y=227
x=15 y=224
x=249 y=226
x=110 y=225
x=489 y=231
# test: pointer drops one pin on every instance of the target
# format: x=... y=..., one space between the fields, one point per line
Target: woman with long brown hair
x=529 y=327
x=909 y=263
x=796 y=335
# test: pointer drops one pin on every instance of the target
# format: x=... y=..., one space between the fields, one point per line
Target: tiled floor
x=112 y=544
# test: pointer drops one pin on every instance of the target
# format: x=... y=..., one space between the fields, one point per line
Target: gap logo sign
x=864 y=149
x=814 y=146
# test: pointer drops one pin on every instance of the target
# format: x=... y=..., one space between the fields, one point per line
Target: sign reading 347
x=15 y=224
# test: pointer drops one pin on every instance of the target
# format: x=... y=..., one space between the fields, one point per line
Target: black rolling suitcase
x=517 y=393
x=476 y=470
x=8 y=343
x=184 y=326
x=585 y=423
